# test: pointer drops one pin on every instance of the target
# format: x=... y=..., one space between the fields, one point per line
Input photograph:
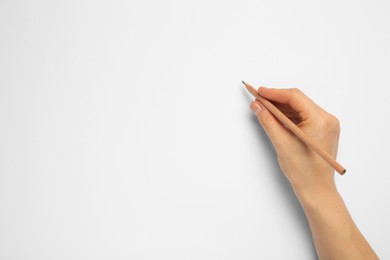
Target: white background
x=125 y=132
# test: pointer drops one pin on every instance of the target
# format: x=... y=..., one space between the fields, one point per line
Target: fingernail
x=256 y=108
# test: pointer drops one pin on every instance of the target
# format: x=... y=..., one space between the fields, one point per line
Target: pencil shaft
x=296 y=130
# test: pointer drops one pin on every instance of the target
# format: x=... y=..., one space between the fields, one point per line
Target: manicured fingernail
x=256 y=108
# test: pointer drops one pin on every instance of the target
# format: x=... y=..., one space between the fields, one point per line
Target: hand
x=334 y=233
x=304 y=168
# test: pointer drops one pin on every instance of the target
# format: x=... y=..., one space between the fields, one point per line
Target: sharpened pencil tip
x=243 y=82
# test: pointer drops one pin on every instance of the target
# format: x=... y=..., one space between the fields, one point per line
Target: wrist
x=316 y=195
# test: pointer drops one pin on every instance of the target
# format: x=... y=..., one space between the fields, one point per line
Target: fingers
x=293 y=97
x=272 y=126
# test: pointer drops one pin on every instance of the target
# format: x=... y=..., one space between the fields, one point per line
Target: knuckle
x=263 y=117
x=295 y=91
x=332 y=122
x=335 y=122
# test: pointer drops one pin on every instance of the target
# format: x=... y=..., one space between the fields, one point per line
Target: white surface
x=126 y=134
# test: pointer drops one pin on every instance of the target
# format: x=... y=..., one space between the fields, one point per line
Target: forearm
x=335 y=235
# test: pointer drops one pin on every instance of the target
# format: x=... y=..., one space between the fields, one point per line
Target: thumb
x=272 y=126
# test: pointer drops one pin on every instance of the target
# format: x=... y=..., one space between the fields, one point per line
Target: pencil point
x=243 y=82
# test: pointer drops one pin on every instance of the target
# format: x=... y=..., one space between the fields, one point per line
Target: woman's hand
x=335 y=235
x=304 y=168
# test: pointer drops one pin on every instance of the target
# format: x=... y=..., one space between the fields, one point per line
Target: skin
x=334 y=233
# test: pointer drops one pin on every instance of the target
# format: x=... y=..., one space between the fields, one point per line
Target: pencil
x=296 y=130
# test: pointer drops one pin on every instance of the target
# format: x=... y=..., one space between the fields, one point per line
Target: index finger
x=292 y=96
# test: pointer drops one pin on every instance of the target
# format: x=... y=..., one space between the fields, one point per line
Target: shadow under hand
x=283 y=184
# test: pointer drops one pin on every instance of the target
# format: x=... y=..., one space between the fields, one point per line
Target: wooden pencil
x=296 y=130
